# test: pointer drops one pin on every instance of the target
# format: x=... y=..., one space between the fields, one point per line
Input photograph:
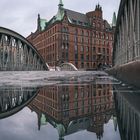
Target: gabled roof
x=73 y=17
x=76 y=17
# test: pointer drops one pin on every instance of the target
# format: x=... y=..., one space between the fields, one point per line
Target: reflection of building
x=70 y=108
x=85 y=40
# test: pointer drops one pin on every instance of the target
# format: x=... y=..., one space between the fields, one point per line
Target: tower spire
x=60 y=12
x=114 y=19
x=38 y=23
x=60 y=4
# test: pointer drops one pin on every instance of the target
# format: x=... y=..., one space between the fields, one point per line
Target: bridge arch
x=67 y=67
x=16 y=53
x=13 y=99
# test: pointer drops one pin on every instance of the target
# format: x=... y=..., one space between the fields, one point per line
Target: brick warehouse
x=84 y=40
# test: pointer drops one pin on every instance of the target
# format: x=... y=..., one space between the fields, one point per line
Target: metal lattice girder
x=16 y=53
x=13 y=99
x=127 y=34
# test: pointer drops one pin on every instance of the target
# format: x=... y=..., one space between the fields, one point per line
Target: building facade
x=84 y=40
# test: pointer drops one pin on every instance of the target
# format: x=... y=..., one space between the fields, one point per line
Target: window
x=82 y=93
x=99 y=50
x=82 y=49
x=85 y=23
x=74 y=21
x=82 y=56
x=94 y=57
x=76 y=64
x=104 y=50
x=63 y=29
x=94 y=49
x=76 y=31
x=82 y=65
x=76 y=56
x=82 y=32
x=63 y=37
x=87 y=33
x=79 y=22
x=87 y=49
x=82 y=40
x=63 y=46
x=63 y=54
x=75 y=47
x=67 y=37
x=67 y=56
x=66 y=47
x=107 y=37
x=107 y=51
x=87 y=57
x=107 y=58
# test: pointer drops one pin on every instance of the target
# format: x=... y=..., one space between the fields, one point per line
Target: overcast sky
x=21 y=15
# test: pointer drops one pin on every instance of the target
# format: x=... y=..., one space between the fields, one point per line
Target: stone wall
x=129 y=73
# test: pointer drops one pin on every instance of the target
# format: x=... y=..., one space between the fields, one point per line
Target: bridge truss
x=127 y=35
x=17 y=54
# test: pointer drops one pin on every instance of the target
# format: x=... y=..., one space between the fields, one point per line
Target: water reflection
x=70 y=108
x=13 y=99
x=128 y=113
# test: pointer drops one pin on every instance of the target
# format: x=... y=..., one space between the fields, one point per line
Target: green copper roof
x=60 y=3
x=60 y=14
x=61 y=130
x=73 y=17
x=114 y=20
x=43 y=24
x=43 y=120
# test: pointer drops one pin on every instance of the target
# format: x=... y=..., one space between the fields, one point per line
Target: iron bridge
x=17 y=54
x=127 y=35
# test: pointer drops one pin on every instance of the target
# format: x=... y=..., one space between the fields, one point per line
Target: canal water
x=67 y=106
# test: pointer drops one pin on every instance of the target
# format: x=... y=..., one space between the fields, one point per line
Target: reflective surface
x=72 y=111
x=13 y=99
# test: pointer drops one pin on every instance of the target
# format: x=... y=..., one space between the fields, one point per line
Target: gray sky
x=21 y=15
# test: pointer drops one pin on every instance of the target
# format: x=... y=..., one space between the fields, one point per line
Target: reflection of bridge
x=13 y=99
x=16 y=53
x=128 y=114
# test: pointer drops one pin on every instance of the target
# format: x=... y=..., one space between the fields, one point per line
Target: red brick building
x=84 y=40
